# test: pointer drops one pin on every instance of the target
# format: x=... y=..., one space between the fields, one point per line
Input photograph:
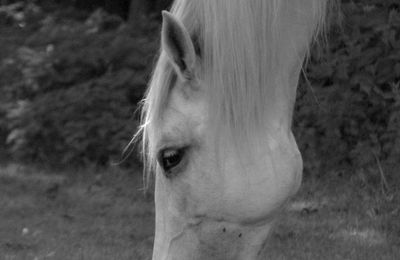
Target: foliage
x=76 y=89
x=352 y=114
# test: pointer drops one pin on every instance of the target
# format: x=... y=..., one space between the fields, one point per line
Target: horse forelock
x=241 y=61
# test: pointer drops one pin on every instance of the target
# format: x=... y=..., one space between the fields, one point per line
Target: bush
x=353 y=114
x=78 y=89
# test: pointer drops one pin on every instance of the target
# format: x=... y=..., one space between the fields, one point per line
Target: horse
x=216 y=123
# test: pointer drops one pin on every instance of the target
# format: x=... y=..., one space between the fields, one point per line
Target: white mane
x=243 y=62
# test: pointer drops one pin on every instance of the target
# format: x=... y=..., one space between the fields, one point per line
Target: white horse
x=217 y=123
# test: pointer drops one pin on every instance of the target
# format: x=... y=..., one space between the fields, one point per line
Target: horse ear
x=176 y=42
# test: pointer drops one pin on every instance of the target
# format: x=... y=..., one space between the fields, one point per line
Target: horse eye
x=169 y=159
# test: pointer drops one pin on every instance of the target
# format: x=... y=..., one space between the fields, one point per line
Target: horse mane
x=242 y=62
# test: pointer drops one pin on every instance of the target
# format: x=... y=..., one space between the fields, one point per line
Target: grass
x=50 y=216
x=82 y=215
x=339 y=218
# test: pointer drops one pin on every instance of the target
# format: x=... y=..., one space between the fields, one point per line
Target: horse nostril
x=224 y=230
x=240 y=235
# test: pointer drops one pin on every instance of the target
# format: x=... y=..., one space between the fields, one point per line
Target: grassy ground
x=339 y=218
x=106 y=216
x=68 y=217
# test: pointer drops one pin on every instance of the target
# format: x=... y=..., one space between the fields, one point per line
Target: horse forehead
x=184 y=112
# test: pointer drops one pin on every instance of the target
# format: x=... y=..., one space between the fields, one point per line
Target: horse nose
x=213 y=240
